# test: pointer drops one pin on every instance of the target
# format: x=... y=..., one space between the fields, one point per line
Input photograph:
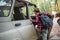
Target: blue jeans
x=42 y=34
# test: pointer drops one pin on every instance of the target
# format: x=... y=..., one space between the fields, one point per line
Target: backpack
x=45 y=20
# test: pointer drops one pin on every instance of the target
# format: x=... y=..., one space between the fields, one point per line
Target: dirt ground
x=55 y=31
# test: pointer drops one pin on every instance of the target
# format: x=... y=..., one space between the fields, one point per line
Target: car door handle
x=17 y=24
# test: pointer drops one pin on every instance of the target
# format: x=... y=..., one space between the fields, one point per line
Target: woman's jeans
x=42 y=34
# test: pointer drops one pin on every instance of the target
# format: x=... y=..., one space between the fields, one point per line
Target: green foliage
x=43 y=5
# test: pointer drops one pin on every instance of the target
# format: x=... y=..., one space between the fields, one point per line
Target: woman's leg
x=44 y=34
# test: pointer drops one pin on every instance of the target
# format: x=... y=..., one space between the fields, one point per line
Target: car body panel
x=9 y=31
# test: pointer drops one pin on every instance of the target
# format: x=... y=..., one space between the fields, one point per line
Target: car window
x=5 y=6
x=19 y=13
x=23 y=10
x=31 y=11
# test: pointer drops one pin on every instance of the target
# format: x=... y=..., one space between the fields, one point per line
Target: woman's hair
x=36 y=10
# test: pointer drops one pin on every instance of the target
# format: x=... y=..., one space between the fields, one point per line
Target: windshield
x=5 y=7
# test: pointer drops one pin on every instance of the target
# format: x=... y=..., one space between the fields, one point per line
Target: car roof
x=22 y=3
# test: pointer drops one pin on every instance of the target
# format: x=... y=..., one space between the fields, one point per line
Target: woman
x=40 y=31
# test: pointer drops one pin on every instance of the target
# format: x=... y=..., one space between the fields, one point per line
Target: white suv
x=14 y=22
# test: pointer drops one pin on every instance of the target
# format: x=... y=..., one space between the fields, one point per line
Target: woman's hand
x=30 y=18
